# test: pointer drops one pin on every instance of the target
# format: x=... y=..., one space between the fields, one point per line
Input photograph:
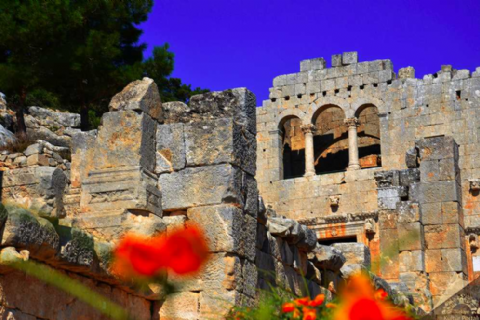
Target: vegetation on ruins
x=75 y=55
x=357 y=300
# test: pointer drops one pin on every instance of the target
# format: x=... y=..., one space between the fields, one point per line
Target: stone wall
x=434 y=198
x=409 y=109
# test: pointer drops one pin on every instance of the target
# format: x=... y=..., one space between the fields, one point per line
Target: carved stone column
x=353 y=162
x=308 y=130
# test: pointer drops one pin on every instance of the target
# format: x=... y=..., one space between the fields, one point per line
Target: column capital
x=308 y=128
x=351 y=122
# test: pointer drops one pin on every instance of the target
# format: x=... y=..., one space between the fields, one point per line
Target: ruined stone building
x=343 y=169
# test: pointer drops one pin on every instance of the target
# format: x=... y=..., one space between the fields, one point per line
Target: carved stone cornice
x=340 y=218
x=474 y=230
x=308 y=128
x=351 y=122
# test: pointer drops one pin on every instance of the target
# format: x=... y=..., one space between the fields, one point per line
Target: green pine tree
x=76 y=54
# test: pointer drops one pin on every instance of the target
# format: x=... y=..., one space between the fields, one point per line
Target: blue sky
x=222 y=44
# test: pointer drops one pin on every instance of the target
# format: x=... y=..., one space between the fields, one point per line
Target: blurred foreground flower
x=359 y=301
x=183 y=252
x=308 y=307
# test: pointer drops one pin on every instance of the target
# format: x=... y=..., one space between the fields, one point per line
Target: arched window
x=369 y=152
x=330 y=140
x=293 y=144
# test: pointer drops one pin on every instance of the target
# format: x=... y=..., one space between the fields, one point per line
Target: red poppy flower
x=302 y=301
x=380 y=294
x=317 y=301
x=288 y=307
x=359 y=302
x=185 y=250
x=138 y=255
x=309 y=314
x=365 y=309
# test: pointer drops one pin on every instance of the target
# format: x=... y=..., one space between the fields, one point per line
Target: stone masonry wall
x=445 y=103
x=429 y=146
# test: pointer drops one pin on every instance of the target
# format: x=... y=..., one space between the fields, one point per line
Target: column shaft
x=309 y=152
x=353 y=161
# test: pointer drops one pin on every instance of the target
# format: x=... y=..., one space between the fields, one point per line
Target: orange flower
x=309 y=314
x=302 y=301
x=331 y=305
x=288 y=307
x=359 y=303
x=317 y=301
x=184 y=251
x=380 y=294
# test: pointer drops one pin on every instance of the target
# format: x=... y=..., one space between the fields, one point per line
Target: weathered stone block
x=239 y=104
x=37 y=235
x=387 y=219
x=222 y=225
x=441 y=260
x=120 y=189
x=411 y=158
x=439 y=191
x=78 y=249
x=222 y=272
x=126 y=138
x=443 y=281
x=430 y=171
x=409 y=176
x=389 y=261
x=386 y=179
x=452 y=213
x=305 y=65
x=37 y=160
x=408 y=211
x=410 y=236
x=201 y=186
x=170 y=148
x=431 y=213
x=437 y=148
x=355 y=253
x=318 y=63
x=336 y=60
x=141 y=95
x=326 y=257
x=309 y=242
x=181 y=306
x=405 y=73
x=349 y=57
x=249 y=277
x=220 y=141
x=446 y=236
x=412 y=261
x=447 y=169
x=33 y=149
x=280 y=227
x=389 y=197
x=49 y=117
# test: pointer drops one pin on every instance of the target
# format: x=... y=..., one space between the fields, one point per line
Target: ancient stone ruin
x=343 y=169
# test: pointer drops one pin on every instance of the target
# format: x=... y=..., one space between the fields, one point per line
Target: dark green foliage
x=76 y=54
x=159 y=67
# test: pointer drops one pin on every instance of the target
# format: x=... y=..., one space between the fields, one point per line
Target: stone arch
x=359 y=102
x=368 y=135
x=325 y=101
x=292 y=144
x=287 y=114
x=330 y=141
